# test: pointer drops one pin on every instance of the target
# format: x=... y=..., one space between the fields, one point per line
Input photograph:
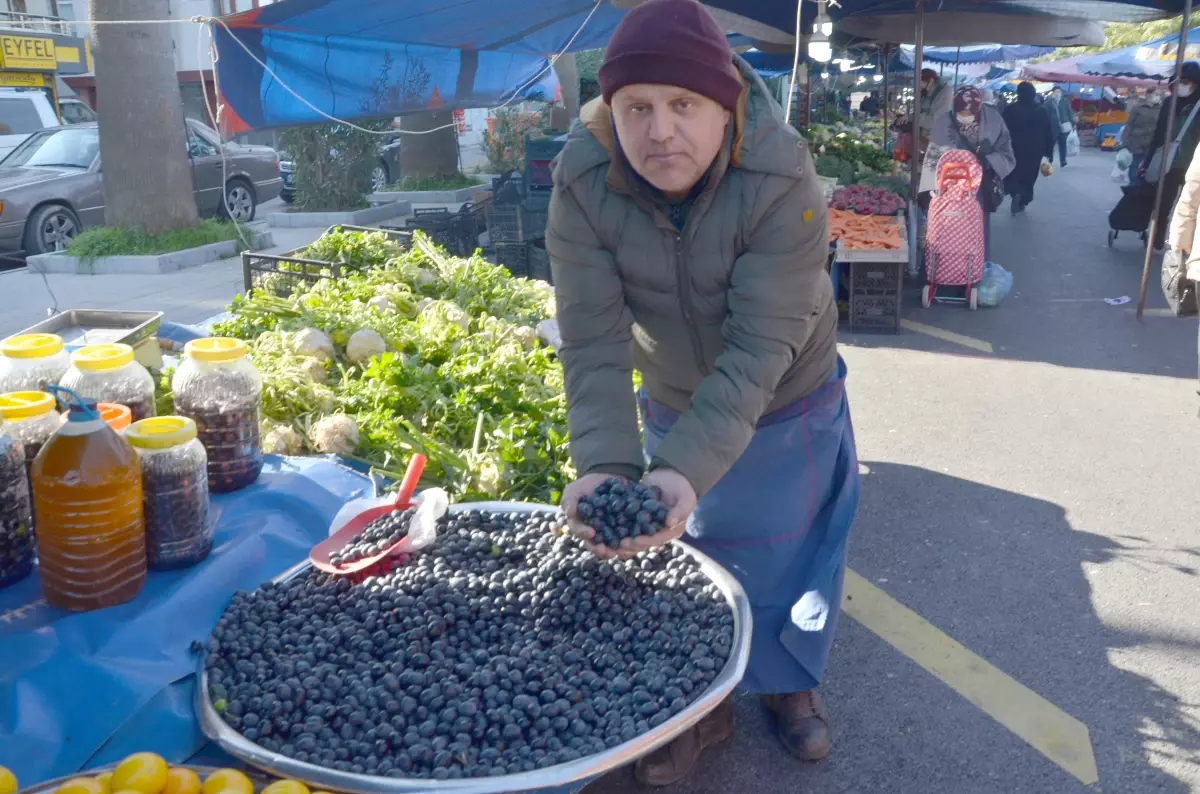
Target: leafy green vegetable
x=464 y=381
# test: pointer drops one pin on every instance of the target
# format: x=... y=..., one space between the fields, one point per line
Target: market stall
x=368 y=352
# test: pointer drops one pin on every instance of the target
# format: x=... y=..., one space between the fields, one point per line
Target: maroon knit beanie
x=671 y=42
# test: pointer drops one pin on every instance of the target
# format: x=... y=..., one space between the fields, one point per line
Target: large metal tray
x=560 y=776
x=81 y=327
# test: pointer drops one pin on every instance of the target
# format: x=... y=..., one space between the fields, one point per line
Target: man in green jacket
x=688 y=238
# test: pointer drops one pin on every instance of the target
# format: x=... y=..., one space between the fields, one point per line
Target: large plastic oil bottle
x=87 y=495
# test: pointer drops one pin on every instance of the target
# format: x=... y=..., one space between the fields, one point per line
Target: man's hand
x=585 y=486
x=680 y=499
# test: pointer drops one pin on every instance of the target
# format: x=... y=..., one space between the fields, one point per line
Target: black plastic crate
x=546 y=146
x=515 y=257
x=508 y=188
x=875 y=292
x=537 y=214
x=539 y=262
x=517 y=223
x=281 y=273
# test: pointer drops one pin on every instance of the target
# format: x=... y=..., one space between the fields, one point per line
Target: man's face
x=669 y=135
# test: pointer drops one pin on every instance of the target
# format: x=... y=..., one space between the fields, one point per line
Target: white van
x=24 y=111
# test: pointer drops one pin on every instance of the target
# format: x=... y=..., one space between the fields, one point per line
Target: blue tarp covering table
x=81 y=690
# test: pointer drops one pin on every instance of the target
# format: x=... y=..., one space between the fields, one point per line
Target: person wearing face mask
x=1139 y=128
x=1186 y=132
x=1063 y=119
x=688 y=239
x=980 y=129
x=936 y=99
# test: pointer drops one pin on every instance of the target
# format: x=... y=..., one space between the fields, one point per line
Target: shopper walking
x=1063 y=118
x=980 y=129
x=688 y=239
x=936 y=99
x=1033 y=139
x=1179 y=155
x=1138 y=131
x=1184 y=227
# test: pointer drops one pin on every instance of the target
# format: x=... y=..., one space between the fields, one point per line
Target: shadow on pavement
x=1001 y=573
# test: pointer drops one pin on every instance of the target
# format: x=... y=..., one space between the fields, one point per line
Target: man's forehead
x=647 y=92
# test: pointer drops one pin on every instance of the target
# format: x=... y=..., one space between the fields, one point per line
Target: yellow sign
x=27 y=52
x=22 y=79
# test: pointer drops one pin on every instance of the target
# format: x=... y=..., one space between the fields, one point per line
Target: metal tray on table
x=574 y=773
x=81 y=327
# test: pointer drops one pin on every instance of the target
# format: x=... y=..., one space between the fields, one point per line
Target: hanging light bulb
x=824 y=75
x=877 y=78
x=819 y=48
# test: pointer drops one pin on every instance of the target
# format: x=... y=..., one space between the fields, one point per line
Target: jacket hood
x=762 y=141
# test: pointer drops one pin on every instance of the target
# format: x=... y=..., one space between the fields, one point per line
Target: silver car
x=51 y=188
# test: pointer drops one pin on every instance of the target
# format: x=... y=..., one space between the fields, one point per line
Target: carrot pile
x=864 y=231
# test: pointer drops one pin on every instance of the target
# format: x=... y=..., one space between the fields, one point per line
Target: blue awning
x=358 y=58
x=1153 y=60
x=978 y=53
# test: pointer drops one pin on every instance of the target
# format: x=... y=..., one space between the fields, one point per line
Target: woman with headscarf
x=1179 y=156
x=936 y=98
x=1032 y=141
x=980 y=129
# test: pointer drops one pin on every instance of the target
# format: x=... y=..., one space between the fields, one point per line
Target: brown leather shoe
x=673 y=762
x=801 y=723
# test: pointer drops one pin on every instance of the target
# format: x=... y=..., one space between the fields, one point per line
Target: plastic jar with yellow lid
x=174 y=490
x=109 y=373
x=16 y=510
x=31 y=362
x=31 y=417
x=217 y=386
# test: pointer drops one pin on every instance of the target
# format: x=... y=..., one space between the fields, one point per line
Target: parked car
x=24 y=111
x=385 y=172
x=50 y=186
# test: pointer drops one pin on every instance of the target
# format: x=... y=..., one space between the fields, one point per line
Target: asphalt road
x=1033 y=503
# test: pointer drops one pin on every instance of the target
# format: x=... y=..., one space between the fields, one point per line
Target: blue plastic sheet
x=1152 y=60
x=79 y=690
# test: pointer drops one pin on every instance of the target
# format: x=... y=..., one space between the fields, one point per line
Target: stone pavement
x=1033 y=503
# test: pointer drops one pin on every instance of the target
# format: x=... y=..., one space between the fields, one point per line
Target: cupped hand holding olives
x=615 y=517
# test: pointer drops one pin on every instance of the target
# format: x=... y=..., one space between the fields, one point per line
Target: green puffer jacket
x=729 y=319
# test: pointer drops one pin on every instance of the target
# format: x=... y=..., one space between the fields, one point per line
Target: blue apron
x=779 y=522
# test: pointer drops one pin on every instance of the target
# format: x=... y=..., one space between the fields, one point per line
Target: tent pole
x=887 y=57
x=1169 y=136
x=957 y=56
x=915 y=163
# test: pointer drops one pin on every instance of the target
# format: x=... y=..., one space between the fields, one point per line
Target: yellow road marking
x=948 y=336
x=1045 y=727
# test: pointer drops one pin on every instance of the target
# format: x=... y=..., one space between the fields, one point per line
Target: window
x=71 y=148
x=76 y=113
x=199 y=147
x=19 y=116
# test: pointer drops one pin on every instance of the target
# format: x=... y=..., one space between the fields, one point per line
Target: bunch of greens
x=461 y=377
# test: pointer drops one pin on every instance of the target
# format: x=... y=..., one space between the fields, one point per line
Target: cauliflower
x=282 y=440
x=335 y=435
x=326 y=399
x=487 y=479
x=526 y=336
x=311 y=342
x=424 y=302
x=364 y=345
x=381 y=303
x=424 y=277
x=314 y=369
x=449 y=312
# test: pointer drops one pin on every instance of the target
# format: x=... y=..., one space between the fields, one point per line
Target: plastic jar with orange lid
x=31 y=362
x=109 y=374
x=118 y=417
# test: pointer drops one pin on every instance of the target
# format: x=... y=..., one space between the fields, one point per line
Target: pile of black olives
x=380 y=535
x=620 y=509
x=504 y=648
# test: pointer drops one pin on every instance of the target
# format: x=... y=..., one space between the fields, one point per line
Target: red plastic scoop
x=322 y=551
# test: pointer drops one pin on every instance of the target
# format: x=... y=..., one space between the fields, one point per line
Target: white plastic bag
x=431 y=505
x=1073 y=144
x=1120 y=175
x=1125 y=159
x=995 y=285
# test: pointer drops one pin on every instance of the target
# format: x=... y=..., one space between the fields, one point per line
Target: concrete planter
x=428 y=196
x=356 y=218
x=149 y=264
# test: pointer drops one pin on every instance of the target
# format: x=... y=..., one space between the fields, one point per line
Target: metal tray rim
x=139 y=325
x=579 y=771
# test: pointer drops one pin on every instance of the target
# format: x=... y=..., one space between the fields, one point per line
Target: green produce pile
x=846 y=153
x=413 y=351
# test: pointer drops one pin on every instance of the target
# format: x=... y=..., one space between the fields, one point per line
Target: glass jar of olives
x=174 y=491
